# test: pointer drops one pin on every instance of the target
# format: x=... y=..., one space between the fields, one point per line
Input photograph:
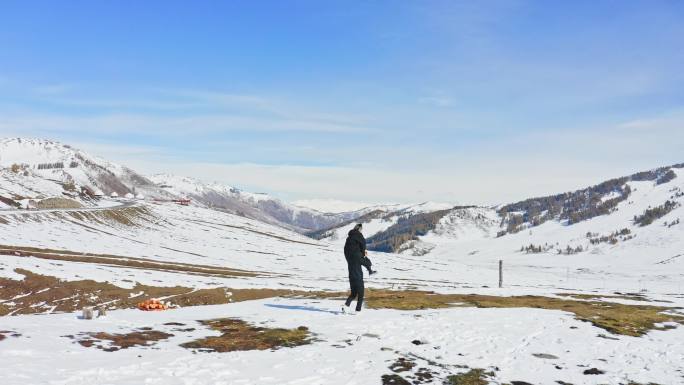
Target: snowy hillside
x=629 y=204
x=376 y=219
x=257 y=206
x=38 y=169
x=331 y=205
x=41 y=168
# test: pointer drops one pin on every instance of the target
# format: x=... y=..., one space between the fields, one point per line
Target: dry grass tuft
x=471 y=377
x=58 y=203
x=121 y=261
x=394 y=379
x=113 y=342
x=239 y=335
x=627 y=296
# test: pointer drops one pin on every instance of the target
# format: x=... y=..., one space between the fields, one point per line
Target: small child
x=365 y=261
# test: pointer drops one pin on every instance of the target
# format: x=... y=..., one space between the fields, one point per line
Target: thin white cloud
x=149 y=110
x=146 y=123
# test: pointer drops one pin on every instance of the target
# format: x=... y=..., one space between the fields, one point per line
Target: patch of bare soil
x=41 y=293
x=113 y=342
x=240 y=335
x=121 y=261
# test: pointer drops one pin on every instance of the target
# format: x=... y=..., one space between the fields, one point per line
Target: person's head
x=358 y=227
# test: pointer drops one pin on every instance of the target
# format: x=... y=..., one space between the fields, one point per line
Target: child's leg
x=365 y=261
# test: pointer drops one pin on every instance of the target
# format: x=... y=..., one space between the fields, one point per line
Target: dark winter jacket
x=354 y=252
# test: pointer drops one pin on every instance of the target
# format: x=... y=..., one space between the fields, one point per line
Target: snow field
x=348 y=349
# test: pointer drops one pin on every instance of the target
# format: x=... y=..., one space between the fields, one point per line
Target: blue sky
x=400 y=101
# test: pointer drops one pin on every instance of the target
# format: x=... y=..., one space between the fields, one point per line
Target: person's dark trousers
x=356 y=292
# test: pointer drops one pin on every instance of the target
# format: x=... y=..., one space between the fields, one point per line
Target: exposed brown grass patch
x=239 y=335
x=471 y=377
x=58 y=203
x=402 y=364
x=113 y=342
x=407 y=367
x=40 y=293
x=125 y=216
x=121 y=261
x=394 y=379
x=630 y=320
x=626 y=296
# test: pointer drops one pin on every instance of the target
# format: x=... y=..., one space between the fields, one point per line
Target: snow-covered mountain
x=44 y=167
x=253 y=205
x=36 y=168
x=572 y=222
x=378 y=220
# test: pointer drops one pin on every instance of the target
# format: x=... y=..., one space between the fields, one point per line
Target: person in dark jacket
x=355 y=254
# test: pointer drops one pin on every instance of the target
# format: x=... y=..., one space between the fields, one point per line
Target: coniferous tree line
x=654 y=213
x=668 y=176
x=407 y=228
x=570 y=250
x=535 y=249
x=49 y=166
x=613 y=238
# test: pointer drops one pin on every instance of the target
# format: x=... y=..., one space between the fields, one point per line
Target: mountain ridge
x=51 y=168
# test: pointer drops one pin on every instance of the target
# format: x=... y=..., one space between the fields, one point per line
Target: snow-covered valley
x=607 y=260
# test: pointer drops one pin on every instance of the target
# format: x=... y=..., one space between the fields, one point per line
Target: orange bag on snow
x=152 y=304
